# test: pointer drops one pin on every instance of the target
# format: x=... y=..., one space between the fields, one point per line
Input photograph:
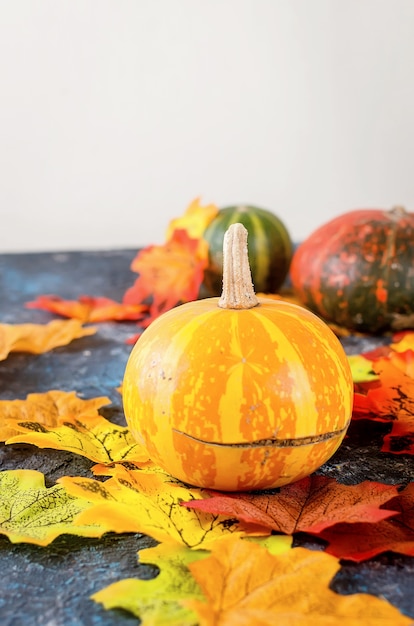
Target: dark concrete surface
x=51 y=586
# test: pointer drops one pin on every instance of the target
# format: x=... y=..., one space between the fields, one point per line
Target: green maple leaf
x=33 y=513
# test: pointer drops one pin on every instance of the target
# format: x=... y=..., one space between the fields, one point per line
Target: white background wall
x=115 y=114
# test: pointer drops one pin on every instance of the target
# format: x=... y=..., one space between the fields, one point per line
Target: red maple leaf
x=401 y=438
x=361 y=541
x=308 y=505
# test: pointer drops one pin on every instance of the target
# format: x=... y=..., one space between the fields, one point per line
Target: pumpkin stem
x=238 y=290
x=397 y=212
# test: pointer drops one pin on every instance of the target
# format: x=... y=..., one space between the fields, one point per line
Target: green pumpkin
x=269 y=246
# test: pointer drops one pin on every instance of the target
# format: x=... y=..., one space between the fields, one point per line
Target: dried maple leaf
x=48 y=409
x=89 y=308
x=168 y=274
x=359 y=542
x=244 y=584
x=308 y=505
x=85 y=433
x=194 y=221
x=145 y=501
x=159 y=600
x=32 y=513
x=38 y=338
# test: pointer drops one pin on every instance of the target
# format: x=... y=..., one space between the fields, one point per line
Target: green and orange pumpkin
x=270 y=247
x=357 y=270
x=238 y=393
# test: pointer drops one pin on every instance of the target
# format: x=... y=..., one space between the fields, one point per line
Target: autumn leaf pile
x=223 y=558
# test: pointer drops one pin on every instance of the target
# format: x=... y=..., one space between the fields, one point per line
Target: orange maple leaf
x=38 y=338
x=61 y=421
x=403 y=341
x=308 y=505
x=245 y=584
x=168 y=274
x=49 y=409
x=391 y=400
x=89 y=308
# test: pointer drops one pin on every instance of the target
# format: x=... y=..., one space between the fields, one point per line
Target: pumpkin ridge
x=271 y=442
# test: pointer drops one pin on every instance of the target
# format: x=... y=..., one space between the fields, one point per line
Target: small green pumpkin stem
x=238 y=290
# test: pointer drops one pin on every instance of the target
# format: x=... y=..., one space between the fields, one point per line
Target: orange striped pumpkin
x=238 y=393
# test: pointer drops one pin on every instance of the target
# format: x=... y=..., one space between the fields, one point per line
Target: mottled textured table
x=52 y=585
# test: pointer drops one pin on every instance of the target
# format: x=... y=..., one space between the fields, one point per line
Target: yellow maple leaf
x=38 y=338
x=32 y=513
x=159 y=600
x=244 y=584
x=49 y=409
x=405 y=342
x=361 y=369
x=85 y=433
x=147 y=501
x=195 y=220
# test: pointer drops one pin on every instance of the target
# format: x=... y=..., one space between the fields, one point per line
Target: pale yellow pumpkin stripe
x=301 y=361
x=339 y=370
x=232 y=394
x=298 y=371
x=295 y=358
x=179 y=344
x=228 y=404
x=140 y=390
